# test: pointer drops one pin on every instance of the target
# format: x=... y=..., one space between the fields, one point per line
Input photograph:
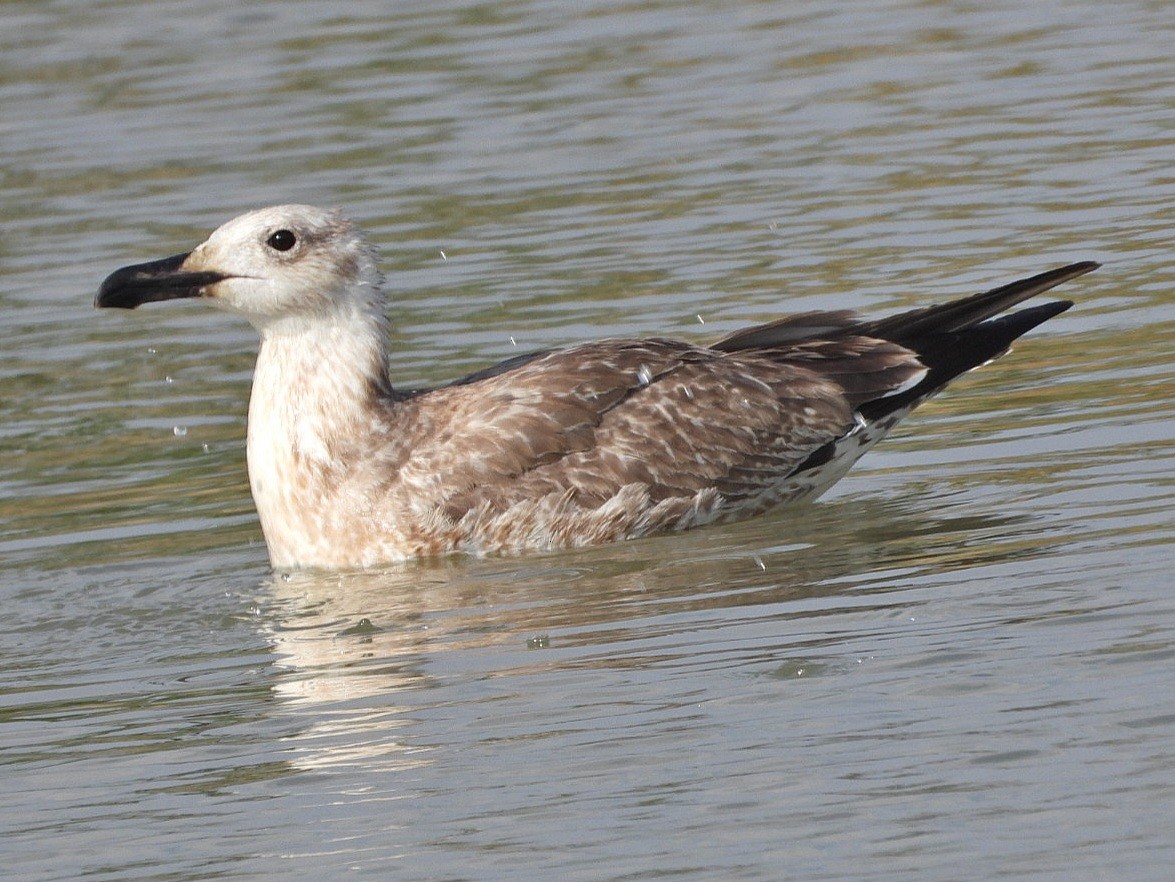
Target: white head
x=279 y=267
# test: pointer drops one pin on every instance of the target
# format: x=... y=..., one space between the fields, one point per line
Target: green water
x=958 y=663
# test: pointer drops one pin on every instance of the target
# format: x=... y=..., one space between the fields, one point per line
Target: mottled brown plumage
x=592 y=443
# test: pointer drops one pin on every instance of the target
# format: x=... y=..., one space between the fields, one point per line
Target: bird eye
x=282 y=240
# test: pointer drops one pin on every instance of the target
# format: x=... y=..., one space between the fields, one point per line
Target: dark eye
x=282 y=240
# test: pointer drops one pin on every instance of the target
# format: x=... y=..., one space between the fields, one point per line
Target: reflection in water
x=352 y=644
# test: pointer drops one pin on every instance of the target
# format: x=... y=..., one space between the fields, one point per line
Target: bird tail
x=956 y=337
x=906 y=357
x=948 y=340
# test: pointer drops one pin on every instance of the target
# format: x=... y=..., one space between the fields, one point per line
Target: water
x=957 y=664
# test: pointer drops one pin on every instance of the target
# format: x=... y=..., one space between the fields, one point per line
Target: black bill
x=147 y=282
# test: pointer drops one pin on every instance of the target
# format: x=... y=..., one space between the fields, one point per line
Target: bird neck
x=320 y=399
x=317 y=388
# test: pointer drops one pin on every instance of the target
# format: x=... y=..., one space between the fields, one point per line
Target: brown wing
x=673 y=418
x=618 y=438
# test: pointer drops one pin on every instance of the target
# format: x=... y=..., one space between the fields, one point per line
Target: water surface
x=961 y=659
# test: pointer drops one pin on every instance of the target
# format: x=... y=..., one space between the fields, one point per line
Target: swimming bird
x=591 y=443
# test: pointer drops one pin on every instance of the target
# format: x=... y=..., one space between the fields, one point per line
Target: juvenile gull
x=567 y=447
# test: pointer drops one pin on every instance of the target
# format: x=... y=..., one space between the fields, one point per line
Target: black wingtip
x=952 y=353
x=908 y=328
x=1022 y=289
x=1025 y=320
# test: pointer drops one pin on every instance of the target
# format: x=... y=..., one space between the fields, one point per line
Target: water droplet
x=644 y=375
x=363 y=627
x=179 y=431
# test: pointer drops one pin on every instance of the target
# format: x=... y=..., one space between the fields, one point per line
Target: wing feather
x=669 y=417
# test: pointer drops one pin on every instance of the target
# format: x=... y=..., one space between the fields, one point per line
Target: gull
x=586 y=444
